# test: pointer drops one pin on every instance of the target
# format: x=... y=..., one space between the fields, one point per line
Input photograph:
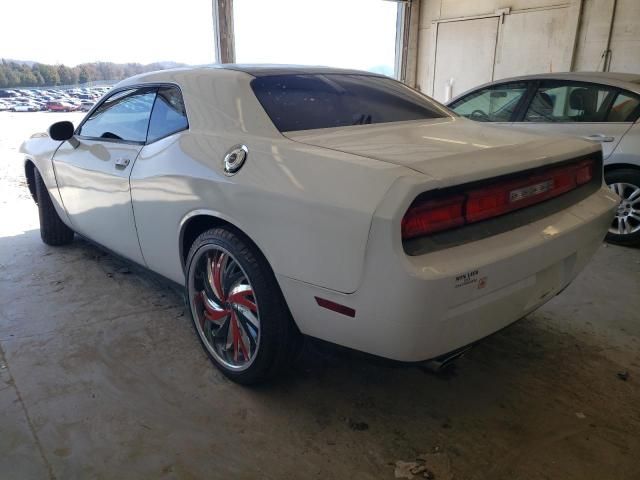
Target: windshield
x=311 y=101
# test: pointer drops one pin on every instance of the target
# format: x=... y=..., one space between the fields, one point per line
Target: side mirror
x=61 y=131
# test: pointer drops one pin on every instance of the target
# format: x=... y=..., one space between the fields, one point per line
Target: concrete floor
x=102 y=377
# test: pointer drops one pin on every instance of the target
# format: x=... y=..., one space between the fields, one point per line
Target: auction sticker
x=468 y=278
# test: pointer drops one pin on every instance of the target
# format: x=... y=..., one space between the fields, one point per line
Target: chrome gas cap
x=234 y=159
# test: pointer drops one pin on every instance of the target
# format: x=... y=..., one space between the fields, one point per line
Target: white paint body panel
x=325 y=206
x=96 y=193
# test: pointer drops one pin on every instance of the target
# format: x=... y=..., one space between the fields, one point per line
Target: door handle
x=599 y=137
x=122 y=163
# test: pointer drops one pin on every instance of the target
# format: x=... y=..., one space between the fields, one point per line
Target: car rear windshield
x=311 y=101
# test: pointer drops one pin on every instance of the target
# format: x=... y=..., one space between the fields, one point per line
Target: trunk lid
x=450 y=150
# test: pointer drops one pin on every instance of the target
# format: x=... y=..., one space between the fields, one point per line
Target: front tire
x=53 y=231
x=625 y=229
x=237 y=308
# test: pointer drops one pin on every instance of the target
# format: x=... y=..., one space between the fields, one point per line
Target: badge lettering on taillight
x=530 y=190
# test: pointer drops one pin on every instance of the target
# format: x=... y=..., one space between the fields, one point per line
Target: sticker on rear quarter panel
x=468 y=278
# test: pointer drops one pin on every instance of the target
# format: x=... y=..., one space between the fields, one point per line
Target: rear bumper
x=417 y=308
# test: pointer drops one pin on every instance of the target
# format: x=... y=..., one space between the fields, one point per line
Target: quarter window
x=495 y=104
x=624 y=109
x=123 y=116
x=168 y=115
x=570 y=102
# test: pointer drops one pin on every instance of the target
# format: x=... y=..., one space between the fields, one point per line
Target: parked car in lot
x=8 y=94
x=336 y=203
x=601 y=107
x=86 y=105
x=61 y=107
x=24 y=107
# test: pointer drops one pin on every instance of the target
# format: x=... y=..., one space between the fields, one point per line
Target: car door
x=599 y=113
x=93 y=170
x=497 y=103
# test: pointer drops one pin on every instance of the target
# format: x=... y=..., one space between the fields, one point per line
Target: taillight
x=433 y=216
x=584 y=172
x=493 y=199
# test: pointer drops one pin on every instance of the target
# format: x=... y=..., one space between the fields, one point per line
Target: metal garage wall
x=595 y=26
x=533 y=36
x=534 y=41
x=481 y=47
x=464 y=55
x=625 y=37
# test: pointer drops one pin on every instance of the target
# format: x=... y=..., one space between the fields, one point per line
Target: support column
x=407 y=41
x=223 y=31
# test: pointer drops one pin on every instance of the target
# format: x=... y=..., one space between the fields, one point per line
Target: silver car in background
x=600 y=106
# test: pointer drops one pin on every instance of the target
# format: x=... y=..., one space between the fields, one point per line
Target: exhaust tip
x=441 y=364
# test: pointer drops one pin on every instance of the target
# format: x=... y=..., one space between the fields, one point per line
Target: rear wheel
x=237 y=309
x=53 y=231
x=625 y=228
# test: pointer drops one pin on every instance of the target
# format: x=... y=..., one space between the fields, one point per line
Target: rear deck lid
x=451 y=149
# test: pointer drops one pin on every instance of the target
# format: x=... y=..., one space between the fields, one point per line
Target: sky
x=339 y=33
x=319 y=32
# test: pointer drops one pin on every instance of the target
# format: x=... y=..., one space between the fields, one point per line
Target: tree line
x=19 y=74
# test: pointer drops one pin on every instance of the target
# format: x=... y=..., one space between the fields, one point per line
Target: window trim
x=561 y=82
x=138 y=86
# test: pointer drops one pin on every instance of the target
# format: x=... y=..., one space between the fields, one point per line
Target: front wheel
x=238 y=311
x=625 y=229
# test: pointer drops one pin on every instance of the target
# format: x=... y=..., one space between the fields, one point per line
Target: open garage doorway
x=358 y=34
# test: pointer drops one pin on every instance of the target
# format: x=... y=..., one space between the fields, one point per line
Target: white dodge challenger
x=333 y=203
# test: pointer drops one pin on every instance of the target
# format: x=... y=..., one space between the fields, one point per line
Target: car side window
x=122 y=116
x=168 y=115
x=625 y=108
x=570 y=102
x=493 y=104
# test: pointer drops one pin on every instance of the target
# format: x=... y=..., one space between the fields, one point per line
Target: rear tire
x=52 y=230
x=625 y=229
x=238 y=311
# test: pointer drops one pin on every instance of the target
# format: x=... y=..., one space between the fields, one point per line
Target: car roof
x=628 y=81
x=263 y=70
x=255 y=70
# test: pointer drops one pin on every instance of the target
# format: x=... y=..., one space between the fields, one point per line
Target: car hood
x=451 y=149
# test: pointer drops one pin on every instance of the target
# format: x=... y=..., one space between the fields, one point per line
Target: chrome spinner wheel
x=226 y=313
x=627 y=219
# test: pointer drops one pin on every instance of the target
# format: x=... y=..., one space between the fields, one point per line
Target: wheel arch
x=199 y=221
x=617 y=166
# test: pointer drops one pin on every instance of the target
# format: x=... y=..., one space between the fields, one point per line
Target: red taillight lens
x=584 y=172
x=494 y=199
x=433 y=216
